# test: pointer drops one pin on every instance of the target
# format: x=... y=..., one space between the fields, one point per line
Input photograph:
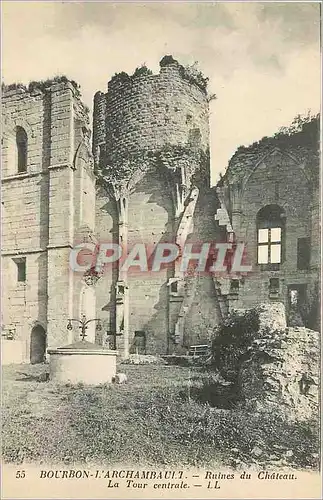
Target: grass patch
x=152 y=420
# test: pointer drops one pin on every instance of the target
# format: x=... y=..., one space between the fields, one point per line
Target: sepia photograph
x=161 y=249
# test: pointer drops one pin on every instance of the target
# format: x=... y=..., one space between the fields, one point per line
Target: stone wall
x=281 y=370
x=283 y=172
x=204 y=313
x=149 y=112
x=150 y=221
x=38 y=218
x=25 y=214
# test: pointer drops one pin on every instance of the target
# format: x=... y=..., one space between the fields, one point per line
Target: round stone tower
x=151 y=147
x=150 y=113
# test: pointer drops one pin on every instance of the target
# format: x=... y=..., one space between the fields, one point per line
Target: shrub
x=195 y=76
x=142 y=71
x=166 y=60
x=13 y=86
x=121 y=77
x=44 y=84
x=232 y=340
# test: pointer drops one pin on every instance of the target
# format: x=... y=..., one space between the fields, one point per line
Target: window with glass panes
x=270 y=233
x=269 y=245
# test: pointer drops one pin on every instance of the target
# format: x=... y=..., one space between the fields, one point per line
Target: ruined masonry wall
x=281 y=370
x=38 y=216
x=277 y=180
x=25 y=214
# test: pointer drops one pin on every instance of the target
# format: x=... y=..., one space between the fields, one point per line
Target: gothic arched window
x=270 y=235
x=22 y=148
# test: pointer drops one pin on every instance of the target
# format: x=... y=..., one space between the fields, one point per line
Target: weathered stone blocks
x=281 y=368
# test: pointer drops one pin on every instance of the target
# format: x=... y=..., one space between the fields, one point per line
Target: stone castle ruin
x=146 y=179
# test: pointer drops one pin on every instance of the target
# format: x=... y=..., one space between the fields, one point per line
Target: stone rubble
x=281 y=368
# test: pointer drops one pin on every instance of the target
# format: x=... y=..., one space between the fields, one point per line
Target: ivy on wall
x=192 y=74
x=113 y=171
x=120 y=170
x=301 y=138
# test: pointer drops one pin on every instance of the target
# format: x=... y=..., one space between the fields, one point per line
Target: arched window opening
x=22 y=143
x=270 y=234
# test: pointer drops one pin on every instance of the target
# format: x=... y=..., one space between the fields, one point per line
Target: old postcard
x=161 y=258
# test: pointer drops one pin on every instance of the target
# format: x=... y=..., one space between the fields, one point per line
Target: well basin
x=82 y=362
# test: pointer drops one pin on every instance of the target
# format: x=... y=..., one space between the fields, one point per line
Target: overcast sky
x=263 y=59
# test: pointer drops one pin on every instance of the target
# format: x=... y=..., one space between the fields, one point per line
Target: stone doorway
x=37 y=345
